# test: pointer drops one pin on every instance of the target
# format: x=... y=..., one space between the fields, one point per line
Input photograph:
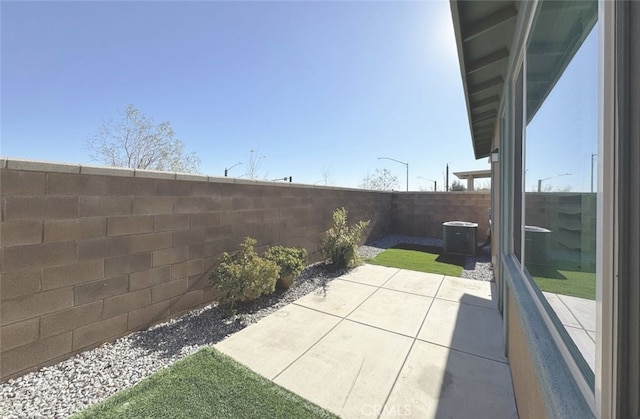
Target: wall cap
x=8 y=163
x=41 y=166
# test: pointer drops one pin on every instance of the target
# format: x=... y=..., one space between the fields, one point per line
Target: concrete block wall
x=422 y=213
x=89 y=254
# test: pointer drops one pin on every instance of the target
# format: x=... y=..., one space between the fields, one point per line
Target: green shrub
x=457 y=186
x=243 y=275
x=291 y=261
x=340 y=245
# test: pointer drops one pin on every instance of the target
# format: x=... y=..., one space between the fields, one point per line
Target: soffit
x=484 y=32
x=559 y=30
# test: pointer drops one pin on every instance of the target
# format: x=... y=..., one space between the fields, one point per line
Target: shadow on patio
x=384 y=342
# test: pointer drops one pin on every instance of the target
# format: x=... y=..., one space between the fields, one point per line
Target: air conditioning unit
x=537 y=242
x=460 y=237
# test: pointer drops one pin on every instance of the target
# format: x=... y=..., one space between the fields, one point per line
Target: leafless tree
x=552 y=188
x=484 y=185
x=326 y=176
x=254 y=164
x=135 y=141
x=381 y=180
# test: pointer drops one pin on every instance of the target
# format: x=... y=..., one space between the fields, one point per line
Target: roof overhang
x=485 y=37
x=484 y=32
x=473 y=174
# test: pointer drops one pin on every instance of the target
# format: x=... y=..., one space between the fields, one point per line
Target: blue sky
x=311 y=85
x=563 y=135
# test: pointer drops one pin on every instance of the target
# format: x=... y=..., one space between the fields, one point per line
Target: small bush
x=291 y=261
x=243 y=275
x=457 y=186
x=340 y=245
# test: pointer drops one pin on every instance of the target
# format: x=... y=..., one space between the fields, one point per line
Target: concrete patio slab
x=561 y=310
x=338 y=298
x=578 y=316
x=468 y=328
x=584 y=310
x=272 y=344
x=415 y=282
x=371 y=274
x=360 y=350
x=438 y=382
x=353 y=367
x=585 y=344
x=453 y=289
x=403 y=313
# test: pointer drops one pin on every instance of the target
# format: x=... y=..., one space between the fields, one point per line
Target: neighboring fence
x=571 y=217
x=90 y=254
x=422 y=213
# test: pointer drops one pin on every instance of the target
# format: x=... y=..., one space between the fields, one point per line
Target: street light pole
x=226 y=171
x=547 y=178
x=401 y=162
x=435 y=184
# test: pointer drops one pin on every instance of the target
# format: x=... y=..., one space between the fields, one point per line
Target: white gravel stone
x=72 y=385
x=476 y=267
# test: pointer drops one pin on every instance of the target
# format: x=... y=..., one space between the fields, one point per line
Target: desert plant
x=457 y=186
x=243 y=275
x=340 y=245
x=291 y=261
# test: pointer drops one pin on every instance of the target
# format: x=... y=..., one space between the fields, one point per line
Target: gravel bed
x=91 y=376
x=476 y=267
x=72 y=385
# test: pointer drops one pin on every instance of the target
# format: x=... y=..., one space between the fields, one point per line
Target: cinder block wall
x=422 y=213
x=90 y=254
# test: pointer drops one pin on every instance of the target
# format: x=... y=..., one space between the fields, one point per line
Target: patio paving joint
x=387 y=348
x=572 y=313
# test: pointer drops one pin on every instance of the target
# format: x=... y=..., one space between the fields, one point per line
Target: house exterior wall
x=525 y=382
x=545 y=383
x=91 y=254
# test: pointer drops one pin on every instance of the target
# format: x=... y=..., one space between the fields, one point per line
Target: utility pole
x=447 y=181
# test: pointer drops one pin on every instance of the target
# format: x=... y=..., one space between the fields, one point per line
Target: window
x=558 y=252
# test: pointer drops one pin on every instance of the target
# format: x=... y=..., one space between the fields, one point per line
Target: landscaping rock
x=89 y=377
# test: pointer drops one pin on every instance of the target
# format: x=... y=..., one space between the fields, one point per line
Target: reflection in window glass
x=560 y=166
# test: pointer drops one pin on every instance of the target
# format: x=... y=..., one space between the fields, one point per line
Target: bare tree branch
x=136 y=142
x=326 y=176
x=254 y=164
x=381 y=180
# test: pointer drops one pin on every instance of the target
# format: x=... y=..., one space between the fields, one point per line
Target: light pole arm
x=226 y=171
x=401 y=162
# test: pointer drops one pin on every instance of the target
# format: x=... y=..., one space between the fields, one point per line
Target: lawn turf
x=416 y=261
x=207 y=384
x=566 y=282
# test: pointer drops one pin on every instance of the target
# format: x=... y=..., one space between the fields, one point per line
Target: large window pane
x=560 y=168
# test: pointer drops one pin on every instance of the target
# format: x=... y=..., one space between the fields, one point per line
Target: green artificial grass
x=207 y=384
x=416 y=260
x=565 y=282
